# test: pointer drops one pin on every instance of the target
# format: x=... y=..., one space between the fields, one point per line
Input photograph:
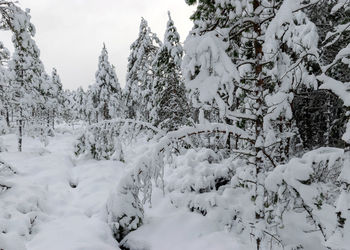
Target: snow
x=342 y=90
x=57 y=201
x=172 y=228
x=340 y=4
x=243 y=178
x=217 y=72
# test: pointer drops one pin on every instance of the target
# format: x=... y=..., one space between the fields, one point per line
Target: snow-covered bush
x=97 y=142
x=4 y=129
x=197 y=179
x=38 y=129
x=204 y=181
x=5 y=170
x=124 y=209
x=307 y=189
x=198 y=171
x=105 y=140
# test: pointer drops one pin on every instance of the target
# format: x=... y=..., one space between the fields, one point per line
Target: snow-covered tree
x=79 y=107
x=90 y=109
x=26 y=69
x=57 y=94
x=170 y=107
x=106 y=92
x=259 y=53
x=318 y=117
x=124 y=209
x=69 y=112
x=4 y=85
x=116 y=106
x=334 y=44
x=139 y=80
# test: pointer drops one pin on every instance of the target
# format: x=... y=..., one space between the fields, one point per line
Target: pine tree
x=25 y=66
x=106 y=91
x=4 y=85
x=80 y=99
x=331 y=18
x=116 y=106
x=170 y=103
x=90 y=109
x=69 y=113
x=53 y=98
x=259 y=53
x=333 y=75
x=139 y=80
x=319 y=119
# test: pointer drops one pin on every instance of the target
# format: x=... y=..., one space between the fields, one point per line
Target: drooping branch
x=146 y=125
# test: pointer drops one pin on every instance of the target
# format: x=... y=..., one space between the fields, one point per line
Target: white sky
x=70 y=33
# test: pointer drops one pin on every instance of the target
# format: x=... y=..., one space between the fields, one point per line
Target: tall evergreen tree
x=25 y=66
x=106 y=90
x=170 y=107
x=80 y=100
x=56 y=96
x=260 y=53
x=139 y=80
x=4 y=84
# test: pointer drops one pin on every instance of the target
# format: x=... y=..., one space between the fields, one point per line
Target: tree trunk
x=7 y=114
x=259 y=126
x=48 y=119
x=20 y=131
x=53 y=119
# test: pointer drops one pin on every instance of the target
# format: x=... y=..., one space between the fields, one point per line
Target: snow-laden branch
x=338 y=31
x=150 y=165
x=342 y=90
x=146 y=125
x=235 y=114
x=184 y=132
x=345 y=52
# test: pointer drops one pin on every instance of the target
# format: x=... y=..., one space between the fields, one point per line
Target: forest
x=237 y=138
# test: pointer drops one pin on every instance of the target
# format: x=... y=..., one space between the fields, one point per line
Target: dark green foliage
x=171 y=109
x=320 y=118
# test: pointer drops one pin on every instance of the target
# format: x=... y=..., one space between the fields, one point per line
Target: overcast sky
x=70 y=33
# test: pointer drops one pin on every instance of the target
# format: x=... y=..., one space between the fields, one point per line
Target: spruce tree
x=4 y=85
x=106 y=90
x=139 y=80
x=249 y=57
x=170 y=107
x=57 y=92
x=80 y=99
x=27 y=70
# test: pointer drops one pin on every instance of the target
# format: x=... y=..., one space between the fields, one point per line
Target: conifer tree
x=139 y=80
x=25 y=66
x=116 y=106
x=106 y=90
x=4 y=85
x=169 y=96
x=68 y=106
x=90 y=109
x=80 y=100
x=260 y=53
x=55 y=97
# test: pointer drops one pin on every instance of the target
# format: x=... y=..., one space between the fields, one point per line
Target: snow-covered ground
x=58 y=202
